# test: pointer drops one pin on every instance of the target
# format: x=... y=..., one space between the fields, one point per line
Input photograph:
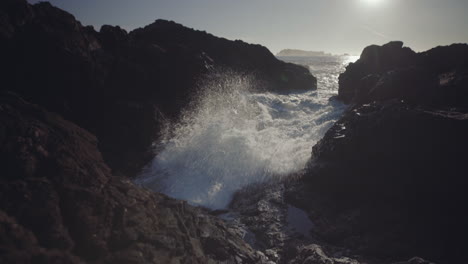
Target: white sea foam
x=231 y=137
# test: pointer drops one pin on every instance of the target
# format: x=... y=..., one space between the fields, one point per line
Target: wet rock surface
x=314 y=254
x=121 y=86
x=262 y=215
x=393 y=177
x=271 y=225
x=388 y=180
x=59 y=203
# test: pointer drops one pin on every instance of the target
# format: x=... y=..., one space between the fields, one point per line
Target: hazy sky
x=337 y=26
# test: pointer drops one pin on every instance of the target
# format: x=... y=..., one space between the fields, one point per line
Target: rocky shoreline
x=388 y=180
x=60 y=203
x=386 y=183
x=122 y=86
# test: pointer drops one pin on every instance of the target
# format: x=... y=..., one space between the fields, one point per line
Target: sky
x=336 y=26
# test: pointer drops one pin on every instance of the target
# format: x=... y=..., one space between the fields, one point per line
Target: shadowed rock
x=437 y=77
x=388 y=179
x=121 y=86
x=59 y=203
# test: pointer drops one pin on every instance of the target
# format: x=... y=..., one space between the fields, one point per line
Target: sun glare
x=372 y=2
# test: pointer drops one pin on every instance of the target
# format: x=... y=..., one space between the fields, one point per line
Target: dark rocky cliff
x=70 y=93
x=389 y=178
x=386 y=182
x=437 y=77
x=60 y=203
x=119 y=85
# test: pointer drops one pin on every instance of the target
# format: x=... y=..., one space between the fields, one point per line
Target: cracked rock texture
x=59 y=203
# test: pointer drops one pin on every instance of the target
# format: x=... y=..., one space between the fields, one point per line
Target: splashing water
x=231 y=137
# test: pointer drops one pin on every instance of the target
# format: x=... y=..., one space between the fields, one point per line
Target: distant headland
x=303 y=53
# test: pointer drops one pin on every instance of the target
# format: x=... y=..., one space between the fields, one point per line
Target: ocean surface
x=231 y=137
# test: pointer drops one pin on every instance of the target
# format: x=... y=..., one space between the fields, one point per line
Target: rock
x=415 y=260
x=269 y=225
x=437 y=77
x=18 y=245
x=122 y=86
x=263 y=211
x=236 y=55
x=59 y=203
x=374 y=60
x=388 y=180
x=314 y=254
x=113 y=38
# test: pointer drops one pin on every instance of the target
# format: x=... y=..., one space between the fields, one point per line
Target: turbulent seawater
x=231 y=137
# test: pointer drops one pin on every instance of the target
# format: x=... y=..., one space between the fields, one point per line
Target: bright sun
x=372 y=2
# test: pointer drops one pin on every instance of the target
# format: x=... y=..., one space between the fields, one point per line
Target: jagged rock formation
x=388 y=179
x=279 y=230
x=437 y=77
x=266 y=215
x=119 y=85
x=59 y=203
